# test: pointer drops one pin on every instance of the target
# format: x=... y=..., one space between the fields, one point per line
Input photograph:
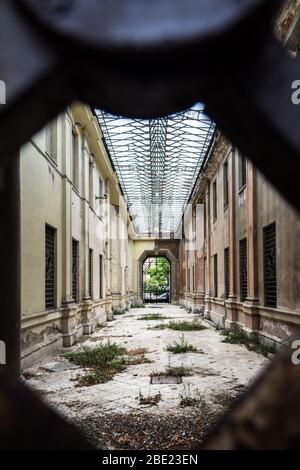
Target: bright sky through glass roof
x=157 y=162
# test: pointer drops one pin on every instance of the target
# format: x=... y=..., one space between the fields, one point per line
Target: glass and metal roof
x=157 y=162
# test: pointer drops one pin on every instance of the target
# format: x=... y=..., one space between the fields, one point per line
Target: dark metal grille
x=50 y=267
x=189 y=280
x=90 y=272
x=215 y=201
x=193 y=279
x=226 y=272
x=243 y=270
x=100 y=277
x=225 y=183
x=216 y=275
x=270 y=276
x=243 y=171
x=75 y=270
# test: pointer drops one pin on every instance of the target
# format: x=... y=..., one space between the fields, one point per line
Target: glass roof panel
x=157 y=162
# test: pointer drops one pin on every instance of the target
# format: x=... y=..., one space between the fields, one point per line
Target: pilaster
x=250 y=307
x=231 y=314
x=208 y=287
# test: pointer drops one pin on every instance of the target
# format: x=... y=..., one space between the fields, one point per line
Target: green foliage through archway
x=157 y=275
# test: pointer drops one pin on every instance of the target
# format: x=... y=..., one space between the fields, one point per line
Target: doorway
x=156 y=279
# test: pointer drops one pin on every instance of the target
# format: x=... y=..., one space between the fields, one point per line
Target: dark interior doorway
x=156 y=279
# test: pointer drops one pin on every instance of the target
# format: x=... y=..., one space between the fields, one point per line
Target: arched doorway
x=156 y=285
x=174 y=273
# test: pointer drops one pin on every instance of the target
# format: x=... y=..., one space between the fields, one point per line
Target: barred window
x=193 y=279
x=51 y=139
x=90 y=268
x=215 y=200
x=242 y=171
x=101 y=195
x=225 y=183
x=270 y=270
x=75 y=162
x=91 y=184
x=226 y=272
x=75 y=267
x=50 y=267
x=216 y=275
x=243 y=270
x=100 y=277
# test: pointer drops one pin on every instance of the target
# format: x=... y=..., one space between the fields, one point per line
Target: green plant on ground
x=194 y=325
x=101 y=375
x=252 y=344
x=137 y=306
x=104 y=361
x=149 y=399
x=135 y=361
x=137 y=351
x=137 y=356
x=182 y=347
x=153 y=316
x=100 y=356
x=120 y=311
x=191 y=397
x=179 y=371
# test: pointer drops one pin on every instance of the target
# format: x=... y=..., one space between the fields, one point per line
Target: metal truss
x=157 y=162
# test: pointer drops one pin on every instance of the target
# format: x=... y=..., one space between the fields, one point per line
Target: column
x=207 y=298
x=250 y=308
x=199 y=258
x=85 y=221
x=87 y=312
x=108 y=245
x=66 y=213
x=231 y=313
x=69 y=308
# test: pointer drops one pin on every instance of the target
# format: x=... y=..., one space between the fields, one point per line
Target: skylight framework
x=157 y=162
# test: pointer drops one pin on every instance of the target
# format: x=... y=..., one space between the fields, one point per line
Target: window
x=194 y=220
x=225 y=183
x=51 y=136
x=100 y=277
x=204 y=274
x=75 y=159
x=193 y=278
x=226 y=273
x=215 y=202
x=243 y=270
x=50 y=267
x=75 y=245
x=204 y=220
x=242 y=171
x=90 y=268
x=215 y=275
x=189 y=280
x=91 y=185
x=270 y=271
x=101 y=195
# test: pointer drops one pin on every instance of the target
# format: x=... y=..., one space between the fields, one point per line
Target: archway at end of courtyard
x=156 y=279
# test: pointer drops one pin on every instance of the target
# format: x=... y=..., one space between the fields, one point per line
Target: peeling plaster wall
x=272 y=325
x=50 y=196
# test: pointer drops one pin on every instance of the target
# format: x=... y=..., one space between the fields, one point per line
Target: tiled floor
x=221 y=368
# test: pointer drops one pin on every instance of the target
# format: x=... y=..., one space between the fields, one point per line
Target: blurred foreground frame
x=146 y=59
